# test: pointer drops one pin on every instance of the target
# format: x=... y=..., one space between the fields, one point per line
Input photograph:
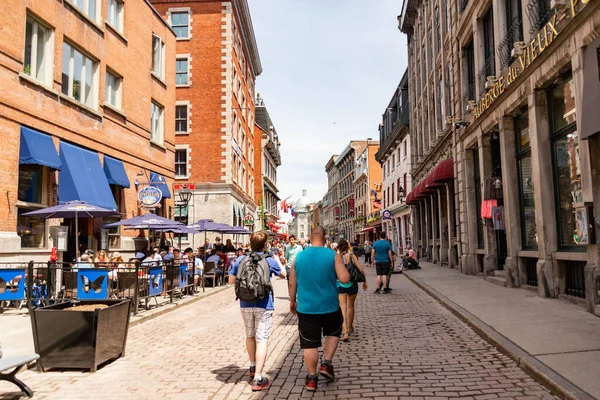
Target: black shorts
x=348 y=290
x=382 y=268
x=312 y=326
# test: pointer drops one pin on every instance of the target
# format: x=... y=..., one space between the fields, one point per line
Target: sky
x=330 y=68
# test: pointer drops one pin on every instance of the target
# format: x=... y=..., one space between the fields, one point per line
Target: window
x=488 y=43
x=38 y=52
x=405 y=149
x=88 y=7
x=524 y=169
x=181 y=119
x=113 y=90
x=180 y=22
x=158 y=51
x=394 y=193
x=79 y=74
x=30 y=190
x=441 y=106
x=567 y=163
x=393 y=161
x=181 y=71
x=447 y=14
x=469 y=58
x=181 y=159
x=114 y=16
x=157 y=123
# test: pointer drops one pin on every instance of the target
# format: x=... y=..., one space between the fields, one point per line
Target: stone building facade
x=268 y=158
x=217 y=64
x=394 y=157
x=522 y=75
x=87 y=101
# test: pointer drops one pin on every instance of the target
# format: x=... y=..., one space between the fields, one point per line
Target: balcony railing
x=538 y=12
x=514 y=34
x=488 y=69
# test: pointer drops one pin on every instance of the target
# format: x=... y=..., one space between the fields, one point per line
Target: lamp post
x=185 y=195
x=400 y=192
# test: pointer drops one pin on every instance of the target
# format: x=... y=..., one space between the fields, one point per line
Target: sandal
x=345 y=337
x=351 y=330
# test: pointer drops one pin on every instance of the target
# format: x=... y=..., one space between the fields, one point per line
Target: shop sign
x=531 y=51
x=150 y=196
x=248 y=220
x=386 y=215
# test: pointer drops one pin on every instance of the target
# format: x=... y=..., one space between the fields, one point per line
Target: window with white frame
x=38 y=51
x=157 y=127
x=182 y=71
x=88 y=7
x=113 y=89
x=114 y=15
x=158 y=52
x=181 y=118
x=180 y=22
x=181 y=163
x=79 y=76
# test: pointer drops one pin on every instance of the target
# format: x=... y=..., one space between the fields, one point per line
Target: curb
x=539 y=371
x=141 y=318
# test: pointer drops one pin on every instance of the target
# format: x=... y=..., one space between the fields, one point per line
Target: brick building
x=217 y=63
x=514 y=87
x=86 y=108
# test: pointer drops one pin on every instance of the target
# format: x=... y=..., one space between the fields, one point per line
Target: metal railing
x=514 y=34
x=36 y=284
x=575 y=278
x=488 y=69
x=538 y=12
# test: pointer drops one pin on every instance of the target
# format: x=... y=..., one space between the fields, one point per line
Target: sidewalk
x=557 y=341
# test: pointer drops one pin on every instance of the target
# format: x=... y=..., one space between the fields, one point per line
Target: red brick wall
x=107 y=132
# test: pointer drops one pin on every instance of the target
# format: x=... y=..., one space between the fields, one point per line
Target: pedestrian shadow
x=283 y=298
x=229 y=374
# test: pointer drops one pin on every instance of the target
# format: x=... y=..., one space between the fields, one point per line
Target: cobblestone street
x=405 y=346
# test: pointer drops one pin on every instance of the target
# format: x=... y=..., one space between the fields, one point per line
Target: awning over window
x=443 y=172
x=115 y=172
x=82 y=178
x=38 y=148
x=160 y=182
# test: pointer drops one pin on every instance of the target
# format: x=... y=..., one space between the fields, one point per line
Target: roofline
x=242 y=11
x=164 y=21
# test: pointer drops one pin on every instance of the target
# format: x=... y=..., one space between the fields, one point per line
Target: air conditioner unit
x=518 y=49
x=559 y=4
x=490 y=82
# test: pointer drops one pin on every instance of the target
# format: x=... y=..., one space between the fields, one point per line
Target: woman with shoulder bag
x=347 y=291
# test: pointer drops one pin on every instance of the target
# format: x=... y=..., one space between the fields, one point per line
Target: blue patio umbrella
x=146 y=221
x=73 y=209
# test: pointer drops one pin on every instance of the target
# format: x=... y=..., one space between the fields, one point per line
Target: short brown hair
x=258 y=240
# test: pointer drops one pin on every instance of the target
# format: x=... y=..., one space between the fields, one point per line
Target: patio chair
x=70 y=285
x=209 y=273
x=126 y=284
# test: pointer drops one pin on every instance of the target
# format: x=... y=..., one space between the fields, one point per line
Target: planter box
x=80 y=339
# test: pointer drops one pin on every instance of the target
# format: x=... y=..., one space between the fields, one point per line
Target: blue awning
x=82 y=178
x=38 y=148
x=160 y=182
x=115 y=172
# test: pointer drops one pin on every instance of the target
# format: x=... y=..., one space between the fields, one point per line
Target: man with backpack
x=251 y=275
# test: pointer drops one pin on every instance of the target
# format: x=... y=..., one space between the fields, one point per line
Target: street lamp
x=185 y=195
x=400 y=192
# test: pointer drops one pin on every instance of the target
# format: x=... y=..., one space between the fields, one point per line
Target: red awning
x=367 y=230
x=420 y=191
x=443 y=172
x=413 y=196
x=429 y=185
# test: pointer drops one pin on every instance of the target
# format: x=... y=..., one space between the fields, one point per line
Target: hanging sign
x=386 y=215
x=150 y=196
x=248 y=220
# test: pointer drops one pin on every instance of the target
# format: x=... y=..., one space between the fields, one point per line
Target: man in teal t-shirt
x=313 y=279
x=382 y=256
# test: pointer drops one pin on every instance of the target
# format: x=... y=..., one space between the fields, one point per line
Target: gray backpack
x=253 y=278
